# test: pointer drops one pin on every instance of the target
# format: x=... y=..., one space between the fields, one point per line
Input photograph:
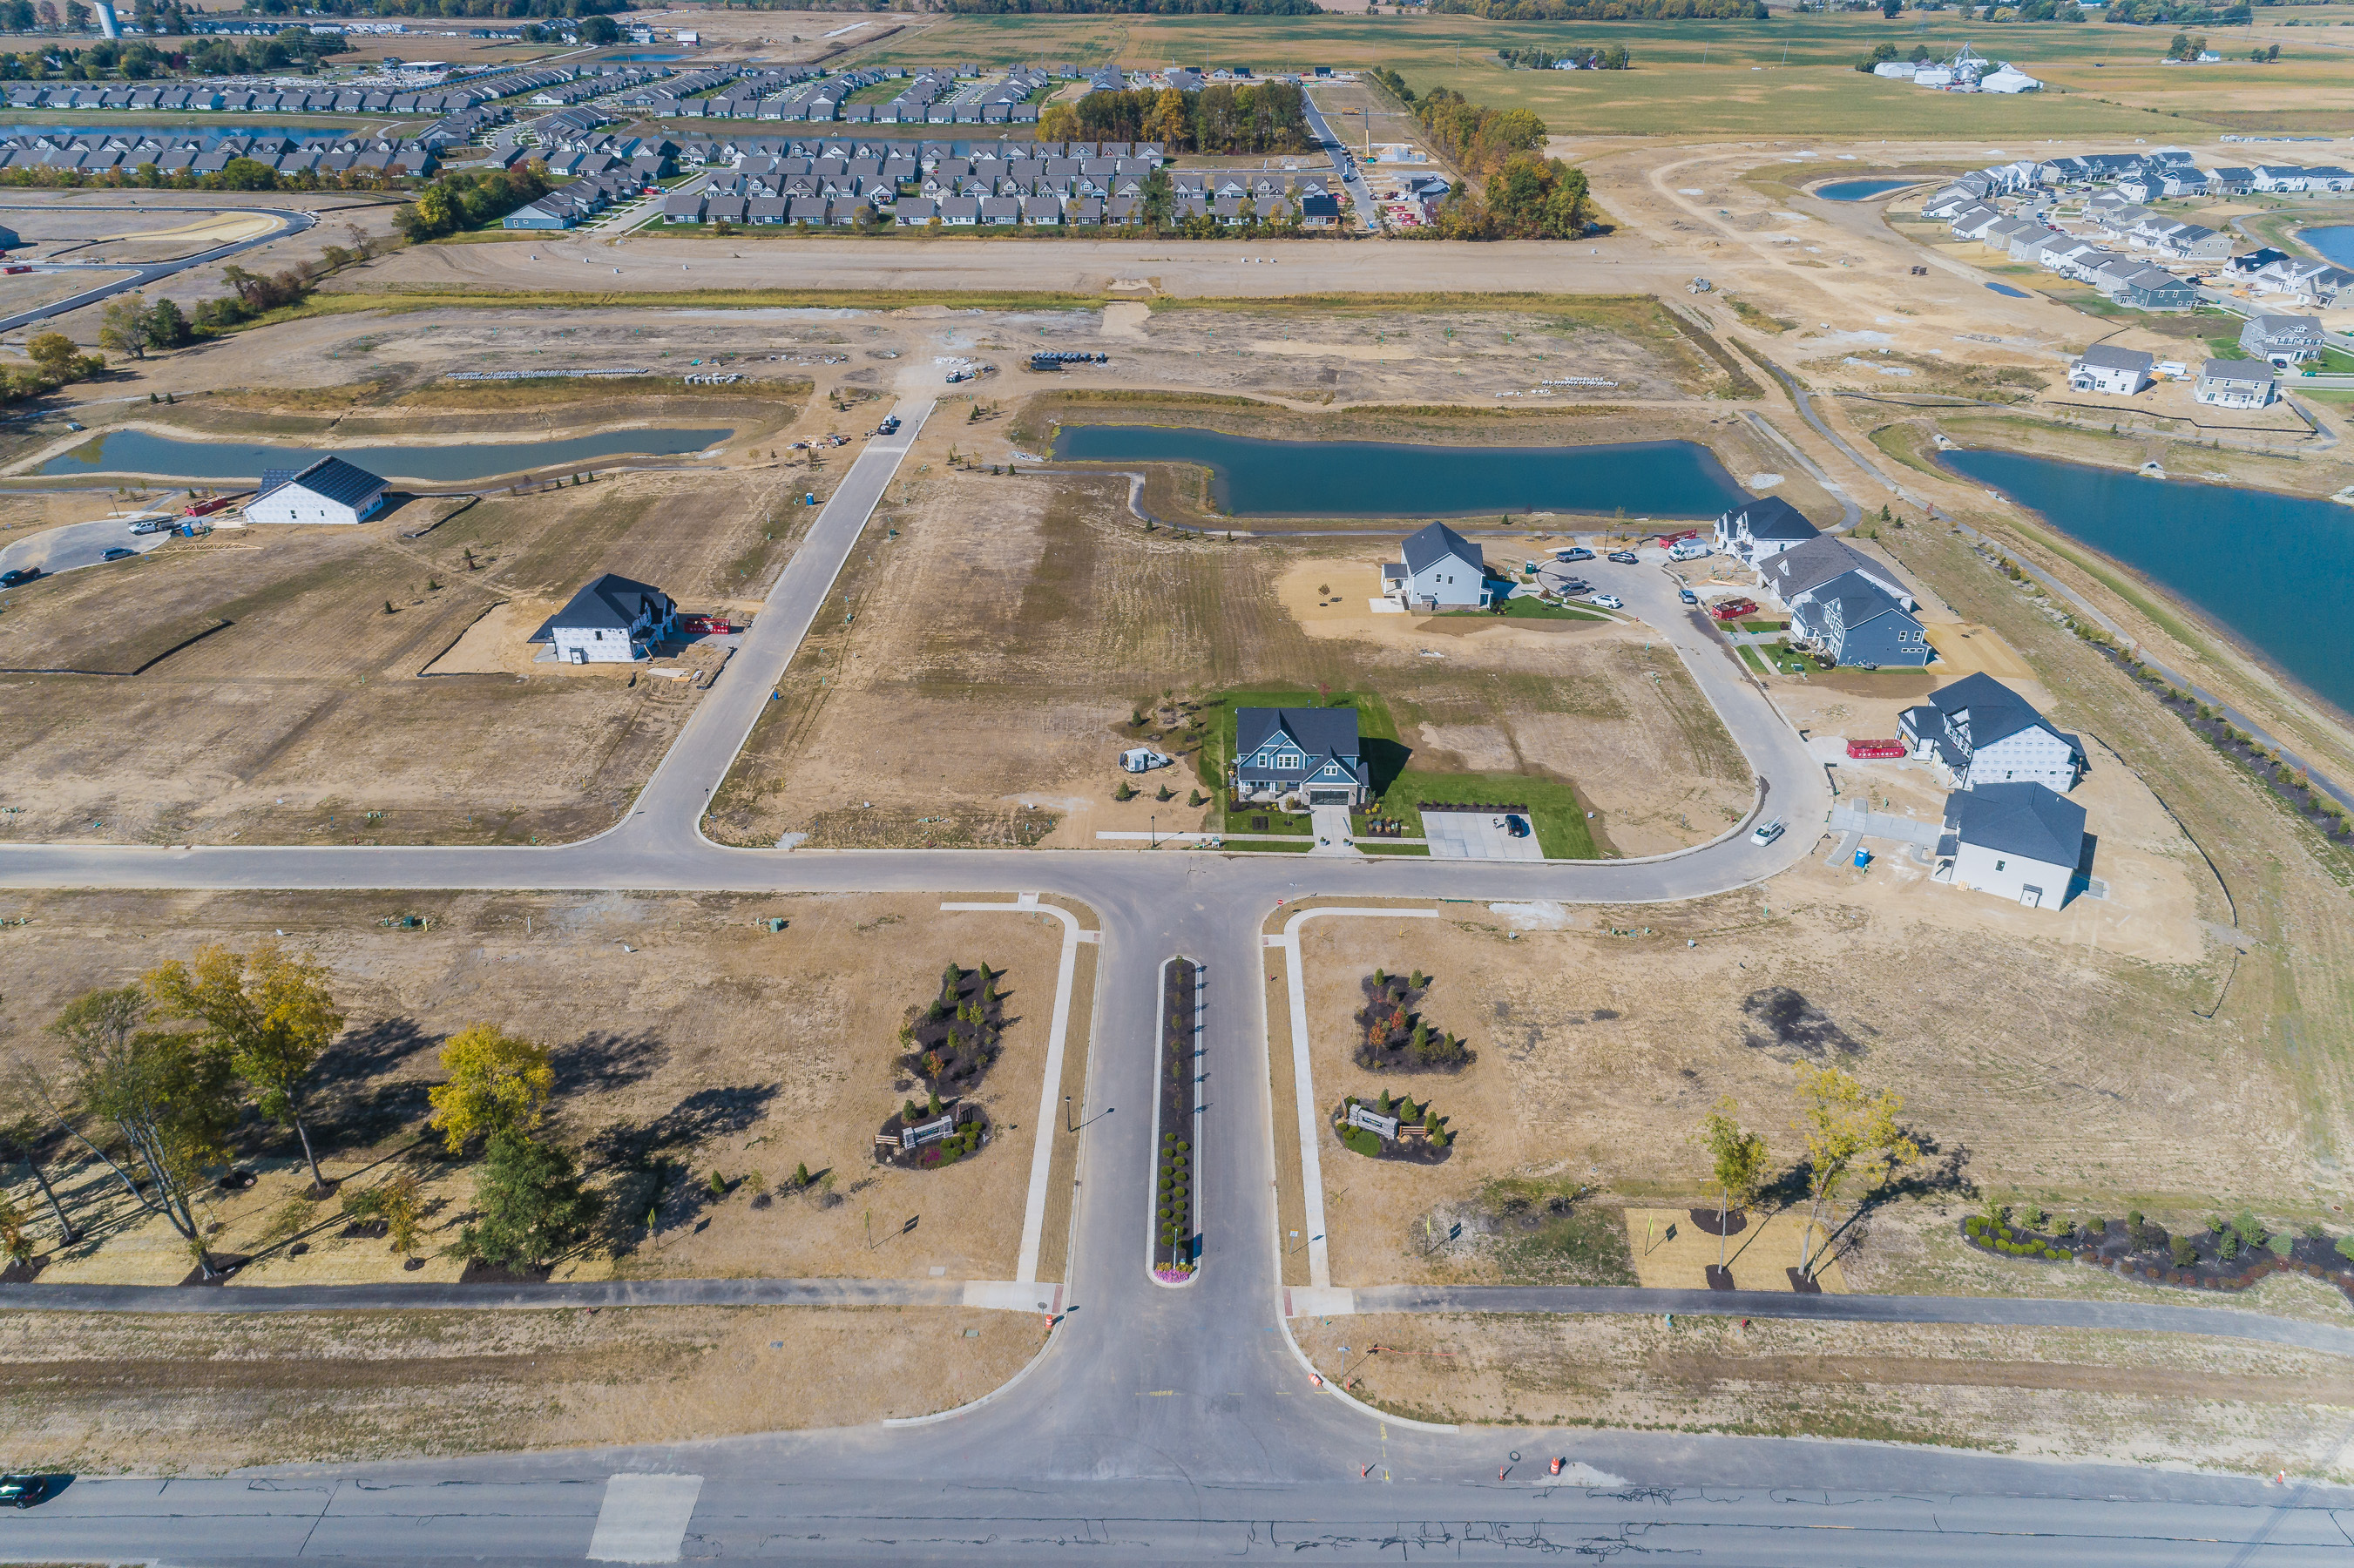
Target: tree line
x=1135 y=8
x=1521 y=194
x=468 y=199
x=1260 y=117
x=1605 y=10
x=161 y=1074
x=1613 y=56
x=494 y=10
x=296 y=49
x=237 y=175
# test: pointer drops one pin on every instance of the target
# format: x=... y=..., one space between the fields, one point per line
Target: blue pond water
x=1860 y=190
x=136 y=451
x=2336 y=241
x=1252 y=478
x=2272 y=569
x=2006 y=288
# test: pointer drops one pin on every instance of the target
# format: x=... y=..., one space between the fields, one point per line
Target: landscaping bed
x=1393 y=1037
x=967 y=1132
x=1176 y=1234
x=952 y=1041
x=1421 y=1135
x=2223 y=1255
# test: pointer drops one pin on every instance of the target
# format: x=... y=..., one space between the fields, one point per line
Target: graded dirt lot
x=99 y=1394
x=2074 y=1395
x=688 y=1040
x=981 y=691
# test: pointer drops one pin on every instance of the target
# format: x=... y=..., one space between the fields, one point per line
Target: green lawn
x=1765 y=626
x=1375 y=846
x=1750 y=656
x=1555 y=810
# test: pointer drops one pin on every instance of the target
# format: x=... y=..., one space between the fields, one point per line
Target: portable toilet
x=1862 y=858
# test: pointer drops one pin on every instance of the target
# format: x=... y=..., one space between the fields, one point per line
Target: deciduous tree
x=498 y=1082
x=1736 y=1164
x=1848 y=1133
x=269 y=1011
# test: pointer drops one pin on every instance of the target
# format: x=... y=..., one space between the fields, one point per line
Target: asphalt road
x=1165 y=1423
x=1343 y=164
x=142 y=276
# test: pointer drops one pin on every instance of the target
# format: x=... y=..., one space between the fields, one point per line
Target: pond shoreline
x=206 y=459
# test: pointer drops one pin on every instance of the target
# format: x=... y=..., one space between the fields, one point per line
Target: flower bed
x=1176 y=1234
x=970 y=1133
x=2221 y=1255
x=1432 y=1146
x=952 y=1041
x=1393 y=1038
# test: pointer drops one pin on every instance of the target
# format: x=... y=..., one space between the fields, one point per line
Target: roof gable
x=2025 y=820
x=329 y=477
x=1428 y=546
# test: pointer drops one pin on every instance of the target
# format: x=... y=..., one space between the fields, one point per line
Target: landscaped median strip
x=2008 y=1311
x=993 y=1294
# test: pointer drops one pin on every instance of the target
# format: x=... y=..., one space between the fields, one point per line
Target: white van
x=1690 y=550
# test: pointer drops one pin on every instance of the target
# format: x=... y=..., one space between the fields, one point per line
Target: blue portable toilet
x=1862 y=858
x=810 y=499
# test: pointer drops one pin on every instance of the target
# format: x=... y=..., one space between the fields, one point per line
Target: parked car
x=1624 y=557
x=24 y=1491
x=1687 y=595
x=1609 y=601
x=1516 y=826
x=1766 y=833
x=120 y=553
x=151 y=526
x=1732 y=608
x=1577 y=586
x=1574 y=553
x=16 y=574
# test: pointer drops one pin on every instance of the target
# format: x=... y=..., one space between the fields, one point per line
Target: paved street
x=141 y=276
x=1159 y=1424
x=71 y=544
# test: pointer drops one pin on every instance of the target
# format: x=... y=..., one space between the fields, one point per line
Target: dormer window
x=1288 y=760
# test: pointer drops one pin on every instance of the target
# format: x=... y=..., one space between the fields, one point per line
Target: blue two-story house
x=1310 y=754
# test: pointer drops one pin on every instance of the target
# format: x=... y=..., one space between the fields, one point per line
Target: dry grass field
x=688 y=1040
x=981 y=688
x=2070 y=1395
x=112 y=1393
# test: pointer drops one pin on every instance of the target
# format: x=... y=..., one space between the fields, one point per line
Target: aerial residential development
x=1196 y=782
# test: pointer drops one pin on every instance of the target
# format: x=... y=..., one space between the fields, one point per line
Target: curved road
x=1160 y=1424
x=141 y=275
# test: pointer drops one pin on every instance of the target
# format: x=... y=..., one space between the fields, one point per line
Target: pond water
x=2272 y=569
x=1860 y=190
x=2007 y=290
x=136 y=451
x=1252 y=478
x=2335 y=241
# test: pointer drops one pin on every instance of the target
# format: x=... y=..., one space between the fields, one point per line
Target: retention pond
x=139 y=452
x=1860 y=190
x=1253 y=478
x=2271 y=570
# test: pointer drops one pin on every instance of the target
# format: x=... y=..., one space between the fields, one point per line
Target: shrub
x=2185 y=1254
x=2032 y=1217
x=1976 y=1225
x=2098 y=1225
x=2228 y=1245
x=2311 y=1231
x=2245 y=1226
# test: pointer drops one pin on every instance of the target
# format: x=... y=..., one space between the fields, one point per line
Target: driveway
x=62 y=549
x=1473 y=835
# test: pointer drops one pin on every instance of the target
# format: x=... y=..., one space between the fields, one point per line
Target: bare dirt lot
x=2075 y=1395
x=109 y=1394
x=689 y=1041
x=1002 y=640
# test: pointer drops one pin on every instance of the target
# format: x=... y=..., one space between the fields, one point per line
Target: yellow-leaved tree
x=498 y=1082
x=1848 y=1133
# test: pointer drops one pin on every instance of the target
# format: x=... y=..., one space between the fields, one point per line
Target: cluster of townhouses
x=2118 y=244
x=2271 y=343
x=943 y=96
x=97 y=153
x=1843 y=603
x=832 y=181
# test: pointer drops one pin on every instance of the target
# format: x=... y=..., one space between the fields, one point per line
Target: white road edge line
x=1311 y=1161
x=644 y=1518
x=1041 y=1151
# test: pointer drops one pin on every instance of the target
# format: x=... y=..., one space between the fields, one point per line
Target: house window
x=2001 y=864
x=1290 y=760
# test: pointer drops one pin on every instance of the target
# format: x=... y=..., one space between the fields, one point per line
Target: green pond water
x=1254 y=478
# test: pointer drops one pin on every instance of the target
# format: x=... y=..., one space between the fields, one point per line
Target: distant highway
x=295 y=223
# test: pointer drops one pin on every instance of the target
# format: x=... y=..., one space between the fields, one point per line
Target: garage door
x=1328 y=797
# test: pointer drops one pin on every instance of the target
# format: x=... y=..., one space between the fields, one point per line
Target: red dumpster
x=1875 y=751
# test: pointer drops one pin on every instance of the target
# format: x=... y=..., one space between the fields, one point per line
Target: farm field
x=689 y=1041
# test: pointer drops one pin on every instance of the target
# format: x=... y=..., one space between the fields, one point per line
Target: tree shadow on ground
x=608 y=1061
x=367 y=1051
x=703 y=1115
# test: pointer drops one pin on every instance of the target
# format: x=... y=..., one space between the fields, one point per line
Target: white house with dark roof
x=328 y=490
x=2282 y=341
x=1980 y=732
x=1766 y=526
x=1808 y=564
x=613 y=621
x=1309 y=754
x=2103 y=368
x=2018 y=842
x=1442 y=570
x=2236 y=384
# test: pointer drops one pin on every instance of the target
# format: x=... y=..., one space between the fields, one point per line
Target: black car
x=1624 y=557
x=120 y=553
x=24 y=1491
x=16 y=574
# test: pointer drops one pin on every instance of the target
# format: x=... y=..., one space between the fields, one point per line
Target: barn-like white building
x=328 y=490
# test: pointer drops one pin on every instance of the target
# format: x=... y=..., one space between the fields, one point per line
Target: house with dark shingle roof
x=1978 y=731
x=1442 y=570
x=328 y=490
x=613 y=621
x=1764 y=527
x=1312 y=754
x=2018 y=842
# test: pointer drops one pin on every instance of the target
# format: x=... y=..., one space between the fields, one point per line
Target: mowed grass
x=1790 y=76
